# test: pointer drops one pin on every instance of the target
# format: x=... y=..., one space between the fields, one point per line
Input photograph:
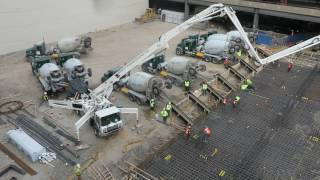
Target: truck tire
x=132 y=98
x=215 y=61
x=144 y=68
x=89 y=72
x=139 y=101
x=116 y=86
x=179 y=51
x=96 y=132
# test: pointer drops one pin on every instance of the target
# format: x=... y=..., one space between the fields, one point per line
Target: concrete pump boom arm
x=296 y=48
x=216 y=10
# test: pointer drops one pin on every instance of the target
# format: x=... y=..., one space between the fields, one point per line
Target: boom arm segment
x=296 y=48
x=232 y=15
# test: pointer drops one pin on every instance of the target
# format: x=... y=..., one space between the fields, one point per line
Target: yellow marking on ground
x=215 y=151
x=222 y=173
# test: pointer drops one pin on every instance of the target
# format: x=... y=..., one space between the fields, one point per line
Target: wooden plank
x=18 y=160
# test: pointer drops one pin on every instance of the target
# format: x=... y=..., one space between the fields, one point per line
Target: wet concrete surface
x=272 y=134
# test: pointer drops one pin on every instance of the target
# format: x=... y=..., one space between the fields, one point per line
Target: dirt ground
x=112 y=47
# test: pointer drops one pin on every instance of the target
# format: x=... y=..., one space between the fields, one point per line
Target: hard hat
x=78 y=165
x=169 y=102
x=45 y=93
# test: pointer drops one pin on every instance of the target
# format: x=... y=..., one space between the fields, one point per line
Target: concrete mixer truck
x=49 y=74
x=178 y=69
x=192 y=44
x=74 y=46
x=141 y=87
x=221 y=46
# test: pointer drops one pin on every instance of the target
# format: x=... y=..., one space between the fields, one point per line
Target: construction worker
x=226 y=62
x=244 y=87
x=164 y=114
x=77 y=171
x=206 y=134
x=152 y=104
x=224 y=101
x=204 y=88
x=236 y=101
x=250 y=84
x=168 y=108
x=290 y=66
x=239 y=53
x=45 y=97
x=187 y=132
x=187 y=85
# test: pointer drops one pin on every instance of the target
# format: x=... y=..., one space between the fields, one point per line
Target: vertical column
x=186 y=9
x=255 y=23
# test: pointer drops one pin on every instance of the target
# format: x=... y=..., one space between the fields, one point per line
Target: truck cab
x=192 y=44
x=38 y=49
x=106 y=121
x=153 y=65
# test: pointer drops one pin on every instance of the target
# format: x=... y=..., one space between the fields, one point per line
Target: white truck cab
x=107 y=121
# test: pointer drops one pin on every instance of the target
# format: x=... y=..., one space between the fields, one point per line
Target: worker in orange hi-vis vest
x=206 y=134
x=290 y=66
x=187 y=132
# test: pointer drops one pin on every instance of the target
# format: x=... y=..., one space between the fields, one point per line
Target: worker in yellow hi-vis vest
x=77 y=171
x=239 y=53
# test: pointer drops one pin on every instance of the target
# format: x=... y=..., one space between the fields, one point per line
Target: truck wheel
x=179 y=51
x=144 y=68
x=132 y=98
x=89 y=72
x=139 y=101
x=96 y=132
x=116 y=87
x=215 y=61
x=207 y=58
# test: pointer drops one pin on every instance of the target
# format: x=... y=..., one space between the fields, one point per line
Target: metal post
x=186 y=9
x=255 y=24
